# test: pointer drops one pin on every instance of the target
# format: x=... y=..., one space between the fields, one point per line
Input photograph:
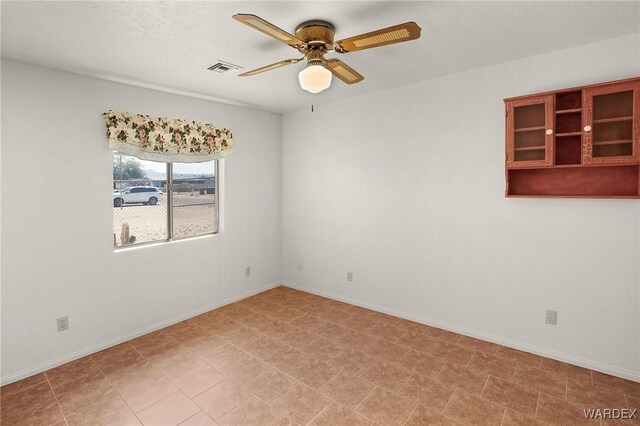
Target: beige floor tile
x=330 y=331
x=88 y=401
x=386 y=408
x=286 y=358
x=251 y=413
x=288 y=314
x=385 y=350
x=223 y=355
x=298 y=338
x=541 y=380
x=266 y=307
x=313 y=372
x=92 y=387
x=463 y=378
x=143 y=387
x=264 y=347
x=626 y=387
x=191 y=374
x=346 y=388
x=417 y=341
x=440 y=334
x=499 y=367
x=353 y=360
x=452 y=352
x=117 y=358
x=339 y=415
x=82 y=368
x=634 y=404
x=270 y=385
x=356 y=341
x=22 y=384
x=199 y=419
x=300 y=404
x=562 y=413
x=479 y=345
x=511 y=395
x=569 y=370
x=428 y=392
x=35 y=405
x=521 y=357
x=388 y=375
x=243 y=318
x=322 y=348
x=121 y=416
x=240 y=336
x=248 y=362
x=589 y=396
x=307 y=322
x=172 y=410
x=185 y=332
x=202 y=345
x=472 y=410
x=278 y=330
x=385 y=331
x=410 y=325
x=514 y=418
x=423 y=364
x=244 y=370
x=222 y=398
x=422 y=416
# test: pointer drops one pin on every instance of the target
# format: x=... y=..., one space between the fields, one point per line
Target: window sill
x=133 y=247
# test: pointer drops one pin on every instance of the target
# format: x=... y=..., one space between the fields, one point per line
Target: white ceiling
x=169 y=44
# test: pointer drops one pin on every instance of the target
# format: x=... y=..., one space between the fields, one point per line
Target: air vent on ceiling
x=224 y=67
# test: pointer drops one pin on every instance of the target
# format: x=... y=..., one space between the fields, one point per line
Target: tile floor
x=286 y=357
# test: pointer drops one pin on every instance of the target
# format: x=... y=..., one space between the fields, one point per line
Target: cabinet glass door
x=611 y=124
x=530 y=132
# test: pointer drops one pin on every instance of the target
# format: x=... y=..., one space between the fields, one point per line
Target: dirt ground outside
x=193 y=214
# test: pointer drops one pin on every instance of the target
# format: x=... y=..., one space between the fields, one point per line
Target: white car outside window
x=137 y=195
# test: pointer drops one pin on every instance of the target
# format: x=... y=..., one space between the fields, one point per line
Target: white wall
x=57 y=225
x=405 y=188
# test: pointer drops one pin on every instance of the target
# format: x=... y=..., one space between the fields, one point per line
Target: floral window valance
x=166 y=139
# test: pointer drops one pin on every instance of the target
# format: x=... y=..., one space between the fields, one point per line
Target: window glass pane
x=194 y=199
x=139 y=216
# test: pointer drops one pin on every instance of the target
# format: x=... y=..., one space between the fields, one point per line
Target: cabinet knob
x=587 y=128
x=549 y=131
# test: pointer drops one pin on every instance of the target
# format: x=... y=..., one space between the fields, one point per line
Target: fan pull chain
x=311 y=107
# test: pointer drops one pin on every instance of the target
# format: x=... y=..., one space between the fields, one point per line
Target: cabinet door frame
x=588 y=94
x=549 y=113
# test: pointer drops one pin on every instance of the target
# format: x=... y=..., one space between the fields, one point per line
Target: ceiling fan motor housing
x=317 y=34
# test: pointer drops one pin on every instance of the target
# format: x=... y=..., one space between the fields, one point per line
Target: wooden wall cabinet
x=580 y=142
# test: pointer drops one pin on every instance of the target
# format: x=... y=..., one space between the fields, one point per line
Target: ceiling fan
x=315 y=38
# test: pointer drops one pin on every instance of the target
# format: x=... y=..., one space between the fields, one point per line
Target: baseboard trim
x=570 y=359
x=121 y=339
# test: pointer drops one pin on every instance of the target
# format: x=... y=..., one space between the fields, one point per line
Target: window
x=155 y=201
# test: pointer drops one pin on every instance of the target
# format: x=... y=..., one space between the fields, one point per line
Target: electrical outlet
x=349 y=276
x=299 y=266
x=63 y=323
x=247 y=271
x=551 y=317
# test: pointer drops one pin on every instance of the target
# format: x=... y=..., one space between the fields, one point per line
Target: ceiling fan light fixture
x=315 y=78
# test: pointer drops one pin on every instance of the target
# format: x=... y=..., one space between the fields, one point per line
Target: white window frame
x=169 y=203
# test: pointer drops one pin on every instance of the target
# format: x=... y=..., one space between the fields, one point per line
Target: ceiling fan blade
x=269 y=29
x=343 y=71
x=270 y=67
x=396 y=34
